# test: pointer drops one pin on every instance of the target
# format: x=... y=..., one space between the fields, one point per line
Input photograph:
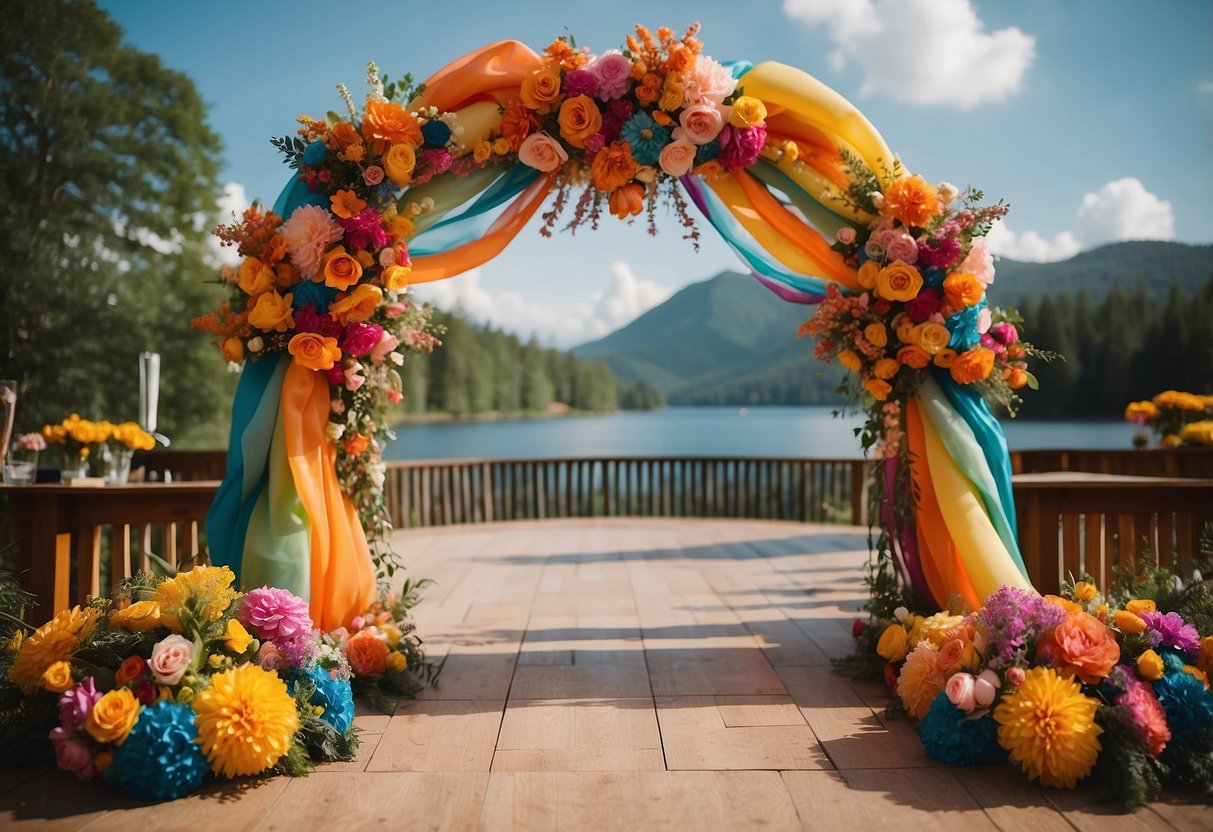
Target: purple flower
x=364 y=229
x=359 y=338
x=76 y=704
x=740 y=147
x=1173 y=631
x=580 y=82
x=308 y=320
x=1013 y=621
x=274 y=613
x=301 y=649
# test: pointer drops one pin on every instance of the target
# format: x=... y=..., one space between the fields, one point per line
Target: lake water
x=702 y=431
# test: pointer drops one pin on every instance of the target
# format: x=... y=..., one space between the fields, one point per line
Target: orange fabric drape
x=342 y=573
x=478 y=252
x=495 y=71
x=942 y=567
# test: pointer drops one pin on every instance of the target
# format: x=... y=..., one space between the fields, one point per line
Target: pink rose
x=613 y=73
x=678 y=157
x=960 y=691
x=372 y=175
x=387 y=343
x=393 y=395
x=701 y=123
x=76 y=757
x=984 y=319
x=395 y=310
x=979 y=262
x=580 y=82
x=1016 y=676
x=873 y=249
x=170 y=658
x=991 y=344
x=845 y=235
x=1005 y=332
x=901 y=246
x=541 y=152
x=354 y=377
x=985 y=688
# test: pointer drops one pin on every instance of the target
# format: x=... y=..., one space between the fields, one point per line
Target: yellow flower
x=245 y=720
x=1141 y=605
x=878 y=388
x=886 y=368
x=204 y=591
x=876 y=334
x=934 y=628
x=358 y=305
x=898 y=281
x=113 y=717
x=139 y=617
x=1049 y=728
x=1198 y=674
x=255 y=277
x=482 y=152
x=892 y=644
x=237 y=638
x=1205 y=660
x=58 y=677
x=396 y=662
x=54 y=641
x=868 y=273
x=398 y=164
x=1146 y=411
x=396 y=278
x=392 y=633
x=850 y=360
x=501 y=146
x=272 y=312
x=1128 y=623
x=1150 y=666
x=932 y=337
x=1085 y=591
x=747 y=111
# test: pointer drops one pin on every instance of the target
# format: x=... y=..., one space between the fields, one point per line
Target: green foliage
x=13 y=599
x=109 y=174
x=1124 y=773
x=641 y=396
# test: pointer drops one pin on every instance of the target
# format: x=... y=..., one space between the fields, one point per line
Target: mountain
x=727 y=340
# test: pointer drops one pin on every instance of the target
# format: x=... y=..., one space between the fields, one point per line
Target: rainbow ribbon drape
x=279 y=517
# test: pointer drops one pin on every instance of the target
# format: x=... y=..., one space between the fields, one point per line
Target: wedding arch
x=424 y=183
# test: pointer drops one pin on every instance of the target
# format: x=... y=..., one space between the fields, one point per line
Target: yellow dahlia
x=204 y=589
x=245 y=720
x=54 y=641
x=1049 y=728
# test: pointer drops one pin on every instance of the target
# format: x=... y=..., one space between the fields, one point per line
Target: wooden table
x=51 y=522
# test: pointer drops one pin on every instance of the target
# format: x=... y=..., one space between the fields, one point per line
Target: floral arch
x=425 y=183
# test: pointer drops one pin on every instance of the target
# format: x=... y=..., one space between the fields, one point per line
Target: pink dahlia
x=359 y=339
x=364 y=230
x=740 y=148
x=274 y=613
x=708 y=80
x=308 y=234
x=1148 y=716
x=941 y=255
x=613 y=72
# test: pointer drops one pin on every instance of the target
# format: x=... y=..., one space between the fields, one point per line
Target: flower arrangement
x=1176 y=417
x=626 y=124
x=77 y=438
x=29 y=442
x=178 y=679
x=1079 y=684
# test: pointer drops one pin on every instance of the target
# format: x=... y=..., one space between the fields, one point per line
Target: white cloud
x=1120 y=210
x=231 y=205
x=922 y=51
x=1205 y=87
x=564 y=324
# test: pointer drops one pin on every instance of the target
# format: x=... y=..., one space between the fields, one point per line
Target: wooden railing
x=445 y=492
x=1190 y=463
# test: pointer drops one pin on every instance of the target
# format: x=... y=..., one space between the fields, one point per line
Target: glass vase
x=21 y=467
x=74 y=466
x=117 y=465
x=8 y=413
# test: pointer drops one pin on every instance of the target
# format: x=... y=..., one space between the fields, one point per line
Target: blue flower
x=317 y=294
x=707 y=152
x=963 y=326
x=646 y=137
x=160 y=760
x=1189 y=707
x=951 y=737
x=436 y=133
x=334 y=695
x=315 y=153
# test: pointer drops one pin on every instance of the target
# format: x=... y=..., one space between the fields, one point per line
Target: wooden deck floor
x=623 y=674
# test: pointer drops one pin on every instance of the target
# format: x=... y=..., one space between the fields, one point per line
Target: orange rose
x=627 y=201
x=963 y=289
x=541 y=89
x=255 y=277
x=389 y=122
x=367 y=654
x=972 y=365
x=356 y=444
x=945 y=358
x=886 y=368
x=649 y=89
x=898 y=281
x=950 y=655
x=613 y=166
x=517 y=122
x=851 y=360
x=313 y=351
x=681 y=57
x=876 y=334
x=272 y=312
x=340 y=269
x=878 y=388
x=580 y=119
x=358 y=305
x=344 y=134
x=1081 y=646
x=915 y=357
x=130 y=670
x=911 y=200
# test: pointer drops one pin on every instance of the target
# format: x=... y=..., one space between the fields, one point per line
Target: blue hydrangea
x=963 y=326
x=1189 y=707
x=951 y=737
x=317 y=294
x=707 y=152
x=315 y=153
x=334 y=695
x=436 y=133
x=646 y=137
x=160 y=760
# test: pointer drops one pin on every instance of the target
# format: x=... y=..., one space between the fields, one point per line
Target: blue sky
x=1093 y=118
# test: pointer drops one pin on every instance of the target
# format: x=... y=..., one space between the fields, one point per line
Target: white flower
x=334 y=431
x=377 y=473
x=948 y=192
x=255 y=344
x=900 y=613
x=234 y=366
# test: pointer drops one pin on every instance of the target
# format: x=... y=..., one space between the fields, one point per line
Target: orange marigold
x=388 y=121
x=517 y=122
x=613 y=166
x=963 y=289
x=911 y=200
x=972 y=365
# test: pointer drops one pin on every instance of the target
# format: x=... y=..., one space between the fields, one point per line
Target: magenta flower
x=76 y=704
x=939 y=256
x=274 y=613
x=740 y=147
x=308 y=319
x=336 y=375
x=924 y=306
x=1005 y=332
x=360 y=338
x=580 y=82
x=364 y=229
x=1173 y=631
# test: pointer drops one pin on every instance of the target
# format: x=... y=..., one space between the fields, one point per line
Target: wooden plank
x=579 y=735
x=890 y=800
x=1071 y=555
x=697 y=735
x=88 y=563
x=120 y=554
x=439 y=735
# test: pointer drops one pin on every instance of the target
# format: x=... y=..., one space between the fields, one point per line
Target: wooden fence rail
x=446 y=492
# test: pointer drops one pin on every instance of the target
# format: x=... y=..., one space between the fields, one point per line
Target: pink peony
x=76 y=704
x=740 y=147
x=308 y=234
x=170 y=659
x=939 y=256
x=364 y=229
x=274 y=613
x=613 y=72
x=1149 y=718
x=678 y=157
x=708 y=81
x=901 y=246
x=960 y=691
x=541 y=152
x=700 y=123
x=621 y=109
x=580 y=82
x=387 y=343
x=992 y=344
x=360 y=338
x=76 y=757
x=372 y=175
x=1005 y=332
x=979 y=262
x=395 y=310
